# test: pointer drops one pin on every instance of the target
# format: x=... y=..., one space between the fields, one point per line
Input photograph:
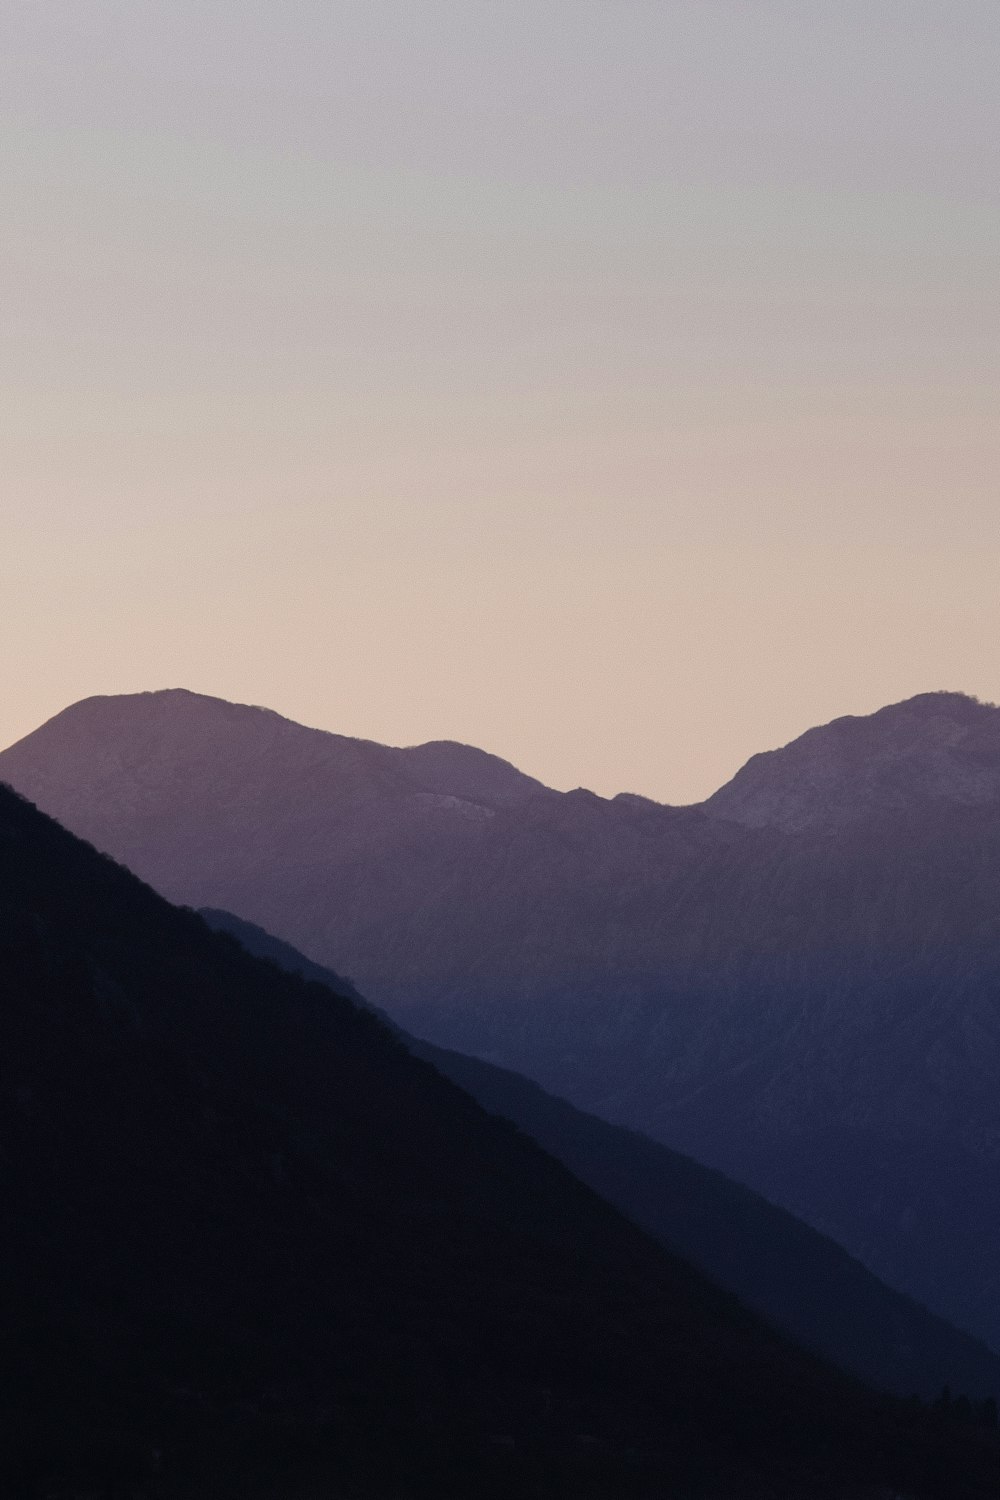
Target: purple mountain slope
x=798 y=982
x=796 y=1278
x=253 y=1248
x=938 y=748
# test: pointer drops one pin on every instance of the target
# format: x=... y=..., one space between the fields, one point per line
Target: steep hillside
x=253 y=1247
x=811 y=1005
x=796 y=1278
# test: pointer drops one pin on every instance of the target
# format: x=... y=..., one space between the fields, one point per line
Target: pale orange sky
x=610 y=385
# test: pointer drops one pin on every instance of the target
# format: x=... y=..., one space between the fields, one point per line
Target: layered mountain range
x=253 y=1247
x=799 y=1280
x=797 y=981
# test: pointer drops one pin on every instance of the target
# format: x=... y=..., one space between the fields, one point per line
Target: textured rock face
x=937 y=748
x=798 y=982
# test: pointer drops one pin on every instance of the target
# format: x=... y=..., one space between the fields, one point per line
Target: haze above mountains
x=795 y=981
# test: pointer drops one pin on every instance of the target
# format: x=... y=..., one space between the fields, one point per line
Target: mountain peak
x=939 y=700
x=100 y=761
x=935 y=747
x=177 y=718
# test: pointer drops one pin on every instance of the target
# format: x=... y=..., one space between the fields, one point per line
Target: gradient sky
x=610 y=383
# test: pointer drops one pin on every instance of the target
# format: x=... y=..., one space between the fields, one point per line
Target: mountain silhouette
x=796 y=1278
x=253 y=1247
x=797 y=982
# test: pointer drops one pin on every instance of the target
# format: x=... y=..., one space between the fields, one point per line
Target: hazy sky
x=610 y=383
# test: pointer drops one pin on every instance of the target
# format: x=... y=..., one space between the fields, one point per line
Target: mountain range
x=796 y=1278
x=254 y=1247
x=797 y=982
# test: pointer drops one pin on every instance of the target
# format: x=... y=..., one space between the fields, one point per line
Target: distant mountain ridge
x=935 y=748
x=797 y=982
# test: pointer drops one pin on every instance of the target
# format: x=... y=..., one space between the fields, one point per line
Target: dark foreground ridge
x=252 y=1247
x=798 y=1279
